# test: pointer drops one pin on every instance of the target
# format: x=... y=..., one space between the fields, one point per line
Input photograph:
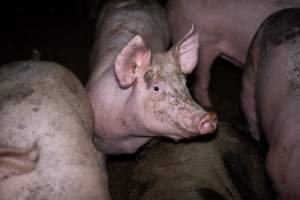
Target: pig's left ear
x=186 y=51
x=132 y=61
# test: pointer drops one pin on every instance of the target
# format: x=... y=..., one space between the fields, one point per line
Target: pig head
x=146 y=95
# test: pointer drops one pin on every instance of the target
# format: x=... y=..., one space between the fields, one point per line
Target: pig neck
x=117 y=122
x=121 y=129
x=105 y=58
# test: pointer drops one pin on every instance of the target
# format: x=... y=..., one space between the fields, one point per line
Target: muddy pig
x=226 y=29
x=228 y=165
x=271 y=97
x=46 y=148
x=136 y=87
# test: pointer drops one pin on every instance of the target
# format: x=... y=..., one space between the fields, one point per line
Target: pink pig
x=226 y=29
x=136 y=87
x=271 y=98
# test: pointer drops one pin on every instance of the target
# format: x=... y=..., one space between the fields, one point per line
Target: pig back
x=119 y=21
x=228 y=165
x=275 y=58
x=43 y=105
x=274 y=55
x=42 y=91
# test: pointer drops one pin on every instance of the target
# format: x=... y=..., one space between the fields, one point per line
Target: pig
x=227 y=165
x=137 y=88
x=46 y=147
x=271 y=98
x=226 y=29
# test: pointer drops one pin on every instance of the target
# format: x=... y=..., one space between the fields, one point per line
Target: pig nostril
x=208 y=123
x=205 y=125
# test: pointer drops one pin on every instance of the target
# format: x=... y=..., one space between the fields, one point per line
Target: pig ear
x=186 y=51
x=131 y=61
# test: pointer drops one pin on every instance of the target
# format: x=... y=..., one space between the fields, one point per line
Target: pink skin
x=270 y=98
x=138 y=91
x=226 y=29
x=46 y=123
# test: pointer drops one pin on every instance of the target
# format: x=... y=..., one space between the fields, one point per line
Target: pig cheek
x=156 y=106
x=180 y=111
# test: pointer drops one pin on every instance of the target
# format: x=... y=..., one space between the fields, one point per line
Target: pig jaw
x=122 y=145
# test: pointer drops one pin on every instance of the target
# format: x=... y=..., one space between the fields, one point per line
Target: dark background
x=61 y=31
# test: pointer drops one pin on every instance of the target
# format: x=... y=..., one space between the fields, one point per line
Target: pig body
x=46 y=149
x=228 y=165
x=226 y=29
x=137 y=89
x=271 y=95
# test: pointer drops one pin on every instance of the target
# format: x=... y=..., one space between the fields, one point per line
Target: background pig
x=46 y=150
x=225 y=29
x=228 y=165
x=137 y=89
x=271 y=96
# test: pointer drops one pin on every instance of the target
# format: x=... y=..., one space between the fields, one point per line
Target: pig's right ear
x=132 y=61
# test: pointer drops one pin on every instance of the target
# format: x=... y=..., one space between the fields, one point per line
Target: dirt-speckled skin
x=271 y=97
x=46 y=149
x=127 y=116
x=226 y=29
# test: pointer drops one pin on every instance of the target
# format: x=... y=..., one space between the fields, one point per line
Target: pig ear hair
x=131 y=61
x=186 y=51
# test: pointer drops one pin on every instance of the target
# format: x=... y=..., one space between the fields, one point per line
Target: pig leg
x=14 y=161
x=207 y=55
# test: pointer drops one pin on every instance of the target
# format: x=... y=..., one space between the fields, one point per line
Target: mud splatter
x=21 y=127
x=287 y=38
x=35 y=109
x=294 y=75
x=16 y=96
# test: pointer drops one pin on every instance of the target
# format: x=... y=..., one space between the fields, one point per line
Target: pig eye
x=156 y=88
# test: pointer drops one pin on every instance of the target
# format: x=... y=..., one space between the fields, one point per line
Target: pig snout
x=207 y=123
x=199 y=123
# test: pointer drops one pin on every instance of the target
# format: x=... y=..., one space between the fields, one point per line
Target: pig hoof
x=208 y=123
